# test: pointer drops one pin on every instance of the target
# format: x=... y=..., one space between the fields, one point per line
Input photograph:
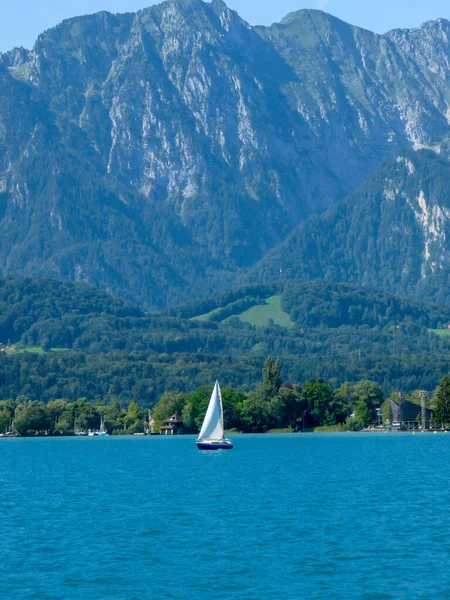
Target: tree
x=441 y=412
x=288 y=406
x=366 y=396
x=55 y=410
x=31 y=419
x=354 y=424
x=5 y=418
x=113 y=416
x=134 y=417
x=189 y=416
x=344 y=394
x=64 y=422
x=341 y=404
x=84 y=414
x=232 y=401
x=255 y=412
x=7 y=410
x=271 y=381
x=368 y=392
x=262 y=408
x=363 y=414
x=319 y=396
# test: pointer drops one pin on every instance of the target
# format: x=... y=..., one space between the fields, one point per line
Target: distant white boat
x=211 y=433
x=102 y=431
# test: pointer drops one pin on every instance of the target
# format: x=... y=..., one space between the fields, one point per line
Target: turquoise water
x=288 y=516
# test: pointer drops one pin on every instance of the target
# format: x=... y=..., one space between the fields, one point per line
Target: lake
x=284 y=516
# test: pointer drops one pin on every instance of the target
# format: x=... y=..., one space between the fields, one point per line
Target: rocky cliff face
x=392 y=234
x=156 y=154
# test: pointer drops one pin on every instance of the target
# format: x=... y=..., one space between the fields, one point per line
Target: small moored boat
x=102 y=431
x=211 y=433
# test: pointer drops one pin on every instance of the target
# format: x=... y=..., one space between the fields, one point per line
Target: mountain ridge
x=159 y=154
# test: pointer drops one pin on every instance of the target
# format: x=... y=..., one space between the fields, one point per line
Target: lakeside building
x=172 y=426
x=407 y=415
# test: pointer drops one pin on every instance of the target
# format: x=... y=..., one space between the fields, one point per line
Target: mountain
x=158 y=155
x=391 y=234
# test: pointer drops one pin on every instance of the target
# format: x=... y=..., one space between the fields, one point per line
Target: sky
x=21 y=21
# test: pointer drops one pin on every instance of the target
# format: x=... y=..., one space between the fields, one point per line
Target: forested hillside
x=72 y=341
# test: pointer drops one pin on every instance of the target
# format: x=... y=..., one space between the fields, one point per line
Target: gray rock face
x=392 y=234
x=156 y=154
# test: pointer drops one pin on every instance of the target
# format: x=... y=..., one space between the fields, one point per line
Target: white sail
x=212 y=427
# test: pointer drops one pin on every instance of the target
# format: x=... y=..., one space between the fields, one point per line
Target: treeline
x=272 y=404
x=139 y=377
x=24 y=302
x=144 y=377
x=95 y=334
x=117 y=352
x=50 y=314
x=61 y=417
x=315 y=303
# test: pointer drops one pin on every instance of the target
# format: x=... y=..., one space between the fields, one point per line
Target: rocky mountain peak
x=307 y=14
x=157 y=153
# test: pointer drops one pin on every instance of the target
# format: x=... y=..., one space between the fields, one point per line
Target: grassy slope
x=258 y=315
x=261 y=314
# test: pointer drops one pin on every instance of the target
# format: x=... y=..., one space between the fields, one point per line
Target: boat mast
x=221 y=407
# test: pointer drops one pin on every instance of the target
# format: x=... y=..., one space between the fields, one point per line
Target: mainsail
x=212 y=427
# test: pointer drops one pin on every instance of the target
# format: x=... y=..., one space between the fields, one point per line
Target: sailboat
x=102 y=431
x=211 y=433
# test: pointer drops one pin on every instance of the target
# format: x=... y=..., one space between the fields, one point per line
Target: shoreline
x=238 y=433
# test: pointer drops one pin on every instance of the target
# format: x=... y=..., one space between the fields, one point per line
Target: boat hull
x=214 y=445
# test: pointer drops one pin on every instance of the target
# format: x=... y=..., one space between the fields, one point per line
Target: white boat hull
x=224 y=444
